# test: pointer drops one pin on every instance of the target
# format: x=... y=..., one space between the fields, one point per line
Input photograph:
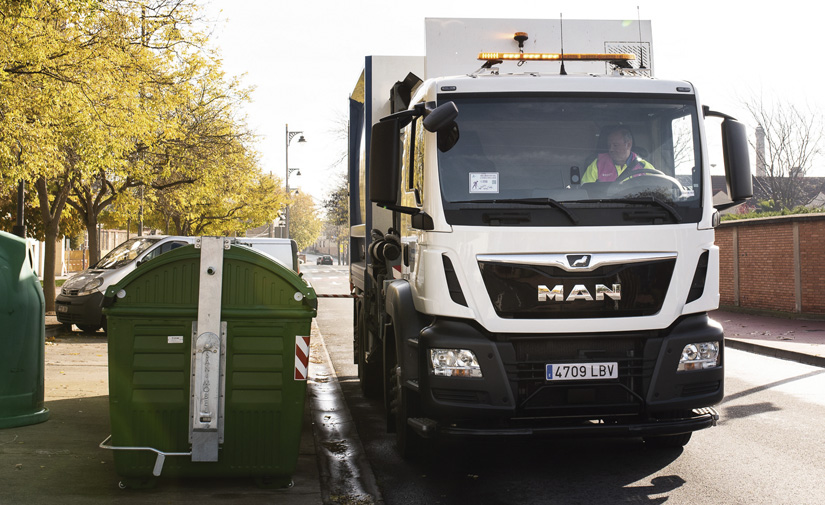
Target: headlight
x=454 y=363
x=699 y=356
x=91 y=286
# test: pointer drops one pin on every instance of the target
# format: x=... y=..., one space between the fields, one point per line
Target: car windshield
x=573 y=157
x=126 y=252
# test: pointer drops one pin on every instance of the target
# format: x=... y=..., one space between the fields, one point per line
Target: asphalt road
x=767 y=448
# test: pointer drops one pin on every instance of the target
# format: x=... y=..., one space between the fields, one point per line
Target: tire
x=369 y=373
x=405 y=405
x=404 y=436
x=668 y=441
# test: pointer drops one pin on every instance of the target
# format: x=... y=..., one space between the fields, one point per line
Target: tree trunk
x=94 y=238
x=50 y=213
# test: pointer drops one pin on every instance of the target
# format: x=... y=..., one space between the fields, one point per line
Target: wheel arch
x=407 y=325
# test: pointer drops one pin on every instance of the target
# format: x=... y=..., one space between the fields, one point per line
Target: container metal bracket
x=208 y=378
x=161 y=455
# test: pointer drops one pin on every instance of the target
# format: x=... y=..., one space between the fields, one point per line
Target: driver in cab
x=619 y=158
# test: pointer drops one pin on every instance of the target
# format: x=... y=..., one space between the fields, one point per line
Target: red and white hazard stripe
x=301 y=358
x=336 y=296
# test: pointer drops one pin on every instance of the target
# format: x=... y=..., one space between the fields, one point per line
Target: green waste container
x=22 y=337
x=208 y=350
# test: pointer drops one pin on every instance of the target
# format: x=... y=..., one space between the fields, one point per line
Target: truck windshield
x=125 y=252
x=573 y=160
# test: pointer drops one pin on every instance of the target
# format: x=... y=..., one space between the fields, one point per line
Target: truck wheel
x=668 y=441
x=405 y=406
x=369 y=373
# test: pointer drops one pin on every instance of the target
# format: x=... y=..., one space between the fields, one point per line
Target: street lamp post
x=289 y=136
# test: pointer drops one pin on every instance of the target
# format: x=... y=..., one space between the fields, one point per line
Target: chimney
x=761 y=168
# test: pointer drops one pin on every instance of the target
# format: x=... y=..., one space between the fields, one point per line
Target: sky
x=303 y=58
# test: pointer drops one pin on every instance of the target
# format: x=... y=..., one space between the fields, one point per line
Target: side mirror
x=441 y=117
x=384 y=162
x=441 y=120
x=737 y=161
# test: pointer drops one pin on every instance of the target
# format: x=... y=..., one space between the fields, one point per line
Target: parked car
x=325 y=260
x=79 y=300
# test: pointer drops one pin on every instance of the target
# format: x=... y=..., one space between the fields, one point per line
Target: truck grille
x=514 y=290
x=624 y=395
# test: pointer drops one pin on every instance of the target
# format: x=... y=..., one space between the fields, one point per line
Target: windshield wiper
x=641 y=200
x=548 y=202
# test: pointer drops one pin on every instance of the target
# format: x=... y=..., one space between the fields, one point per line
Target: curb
x=53 y=330
x=345 y=473
x=773 y=352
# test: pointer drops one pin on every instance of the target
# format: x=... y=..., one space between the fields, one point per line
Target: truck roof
x=533 y=82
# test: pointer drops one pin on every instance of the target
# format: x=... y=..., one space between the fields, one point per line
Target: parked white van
x=284 y=250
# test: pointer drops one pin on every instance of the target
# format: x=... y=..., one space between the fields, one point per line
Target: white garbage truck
x=532 y=235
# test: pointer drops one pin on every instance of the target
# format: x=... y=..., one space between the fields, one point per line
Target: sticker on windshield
x=484 y=182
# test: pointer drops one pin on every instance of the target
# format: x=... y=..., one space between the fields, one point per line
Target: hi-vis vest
x=608 y=171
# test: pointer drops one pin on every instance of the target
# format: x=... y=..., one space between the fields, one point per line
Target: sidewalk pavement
x=801 y=340
x=60 y=461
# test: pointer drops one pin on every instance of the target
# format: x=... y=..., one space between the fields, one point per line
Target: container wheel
x=274 y=482
x=137 y=483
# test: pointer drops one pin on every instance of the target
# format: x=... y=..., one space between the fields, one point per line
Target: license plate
x=63 y=308
x=581 y=371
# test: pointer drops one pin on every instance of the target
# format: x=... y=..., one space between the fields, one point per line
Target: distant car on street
x=325 y=260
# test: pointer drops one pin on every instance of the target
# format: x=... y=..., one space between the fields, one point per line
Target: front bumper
x=695 y=420
x=649 y=398
x=80 y=310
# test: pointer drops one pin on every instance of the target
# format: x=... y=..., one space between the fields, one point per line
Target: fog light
x=454 y=363
x=699 y=356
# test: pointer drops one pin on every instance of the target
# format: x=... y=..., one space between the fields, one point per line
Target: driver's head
x=619 y=142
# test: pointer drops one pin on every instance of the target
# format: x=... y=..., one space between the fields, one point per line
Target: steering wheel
x=647 y=180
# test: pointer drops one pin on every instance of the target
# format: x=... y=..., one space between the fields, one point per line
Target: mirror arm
x=400 y=208
x=706 y=112
x=727 y=205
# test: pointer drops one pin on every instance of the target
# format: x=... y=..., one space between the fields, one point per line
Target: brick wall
x=774 y=264
x=812 y=259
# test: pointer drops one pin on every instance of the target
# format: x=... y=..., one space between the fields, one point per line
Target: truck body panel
x=453 y=44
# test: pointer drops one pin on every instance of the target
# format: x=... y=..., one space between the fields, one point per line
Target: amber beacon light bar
x=611 y=57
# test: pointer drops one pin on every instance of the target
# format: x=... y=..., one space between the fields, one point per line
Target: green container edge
x=310 y=298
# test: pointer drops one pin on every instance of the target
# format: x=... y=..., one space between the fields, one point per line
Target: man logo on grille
x=579 y=292
x=578 y=260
